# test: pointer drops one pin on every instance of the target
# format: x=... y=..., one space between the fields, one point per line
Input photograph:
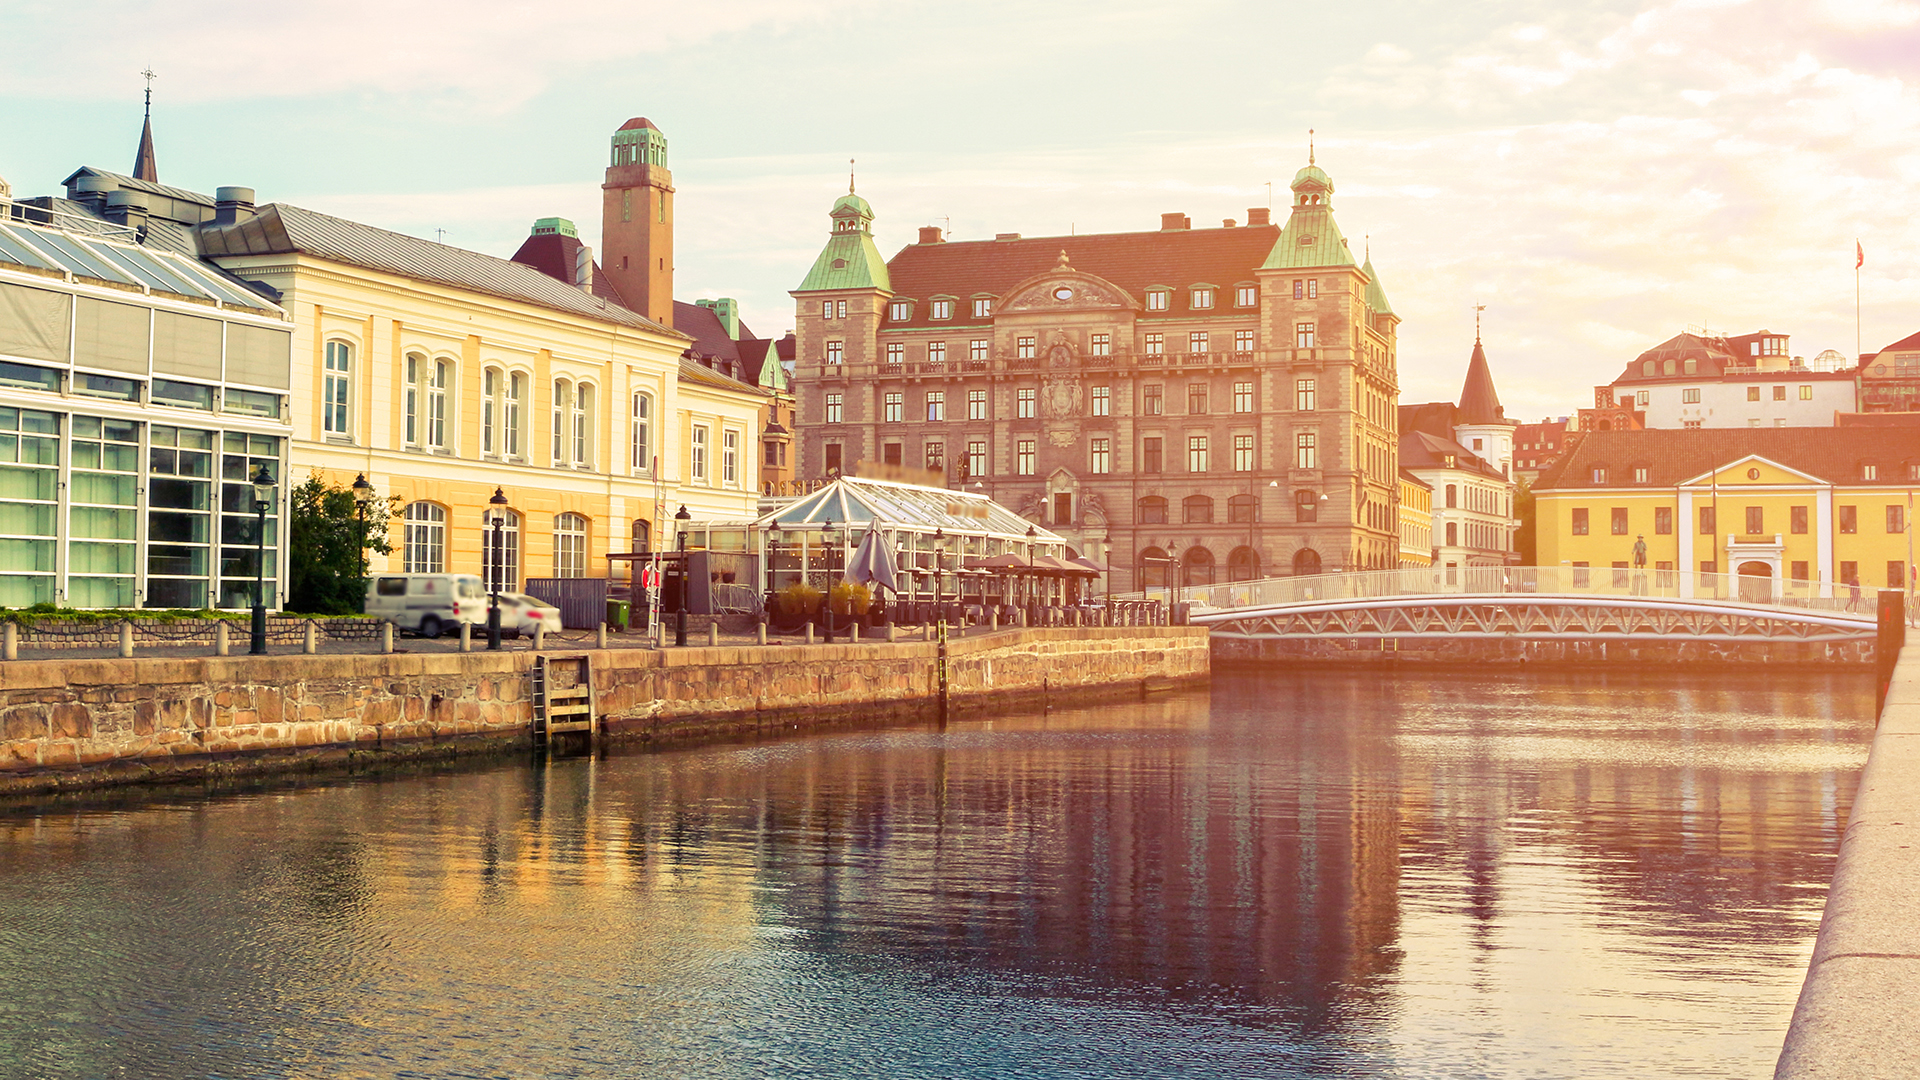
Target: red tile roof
x=1175 y=258
x=1674 y=455
x=1876 y=419
x=1911 y=341
x=638 y=122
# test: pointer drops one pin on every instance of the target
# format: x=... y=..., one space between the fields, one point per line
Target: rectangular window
x=1202 y=298
x=1663 y=521
x=1642 y=397
x=1849 y=573
x=1299 y=289
x=936 y=456
x=1306 y=450
x=1196 y=399
x=1849 y=519
x=1102 y=345
x=1243 y=341
x=1150 y=455
x=1579 y=521
x=895 y=407
x=1150 y=400
x=936 y=354
x=1303 y=335
x=730 y=458
x=1896 y=518
x=1806 y=393
x=699 y=454
x=1157 y=300
x=835 y=350
x=942 y=309
x=1243 y=453
x=1896 y=574
x=334 y=390
x=842 y=312
x=1707 y=525
x=896 y=355
x=1243 y=397
x=1313 y=288
x=1619 y=521
x=936 y=405
x=1024 y=348
x=833 y=459
x=1779 y=393
x=976 y=404
x=1756 y=520
x=1753 y=393
x=1156 y=344
x=1197 y=342
x=1798 y=570
x=978 y=349
x=1023 y=457
x=977 y=457
x=826 y=309
x=1797 y=520
x=1102 y=401
x=890 y=453
x=1025 y=401
x=1246 y=295
x=1102 y=457
x=899 y=311
x=834 y=405
x=1869 y=472
x=1690 y=396
x=982 y=308
x=1196 y=453
x=1303 y=394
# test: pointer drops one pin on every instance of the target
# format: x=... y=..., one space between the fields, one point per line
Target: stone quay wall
x=67 y=724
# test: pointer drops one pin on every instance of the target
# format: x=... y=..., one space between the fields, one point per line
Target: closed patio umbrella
x=872 y=563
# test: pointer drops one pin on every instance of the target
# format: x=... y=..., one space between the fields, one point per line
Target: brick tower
x=636 y=220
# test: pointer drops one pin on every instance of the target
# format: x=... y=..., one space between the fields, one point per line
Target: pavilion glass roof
x=853 y=502
x=121 y=263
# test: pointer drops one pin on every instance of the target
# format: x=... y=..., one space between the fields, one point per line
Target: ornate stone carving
x=1061 y=438
x=1066 y=293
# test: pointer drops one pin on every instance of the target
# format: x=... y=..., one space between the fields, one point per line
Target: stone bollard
x=600 y=637
x=311 y=643
x=222 y=637
x=853 y=632
x=993 y=621
x=713 y=633
x=539 y=636
x=760 y=630
x=386 y=638
x=10 y=641
x=466 y=637
x=890 y=629
x=126 y=637
x=809 y=633
x=926 y=632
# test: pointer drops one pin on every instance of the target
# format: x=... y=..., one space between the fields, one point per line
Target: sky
x=1600 y=176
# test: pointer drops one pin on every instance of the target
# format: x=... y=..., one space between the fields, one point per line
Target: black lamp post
x=939 y=539
x=680 y=616
x=262 y=495
x=499 y=568
x=1033 y=600
x=362 y=495
x=826 y=546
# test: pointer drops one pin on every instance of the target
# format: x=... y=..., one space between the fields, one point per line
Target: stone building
x=1221 y=400
x=1464 y=454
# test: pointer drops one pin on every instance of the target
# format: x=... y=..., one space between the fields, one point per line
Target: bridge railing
x=1604 y=581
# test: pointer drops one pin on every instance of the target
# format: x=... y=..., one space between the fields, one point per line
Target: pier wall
x=1859 y=1010
x=81 y=723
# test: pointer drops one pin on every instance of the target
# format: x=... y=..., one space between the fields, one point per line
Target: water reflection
x=1296 y=875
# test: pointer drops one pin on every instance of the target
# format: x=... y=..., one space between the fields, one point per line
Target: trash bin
x=617 y=614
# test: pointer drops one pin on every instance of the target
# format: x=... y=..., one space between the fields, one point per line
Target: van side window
x=392 y=586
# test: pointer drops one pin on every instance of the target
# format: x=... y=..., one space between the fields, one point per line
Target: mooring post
x=600 y=637
x=1892 y=636
x=809 y=632
x=10 y=640
x=311 y=643
x=539 y=636
x=466 y=637
x=126 y=637
x=222 y=637
x=386 y=638
x=760 y=632
x=713 y=633
x=853 y=631
x=942 y=649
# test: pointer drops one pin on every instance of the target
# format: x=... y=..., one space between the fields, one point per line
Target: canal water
x=1320 y=874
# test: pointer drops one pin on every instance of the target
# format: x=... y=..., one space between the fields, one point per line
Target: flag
x=1859 y=255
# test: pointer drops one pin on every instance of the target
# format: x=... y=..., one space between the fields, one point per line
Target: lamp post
x=362 y=495
x=1033 y=606
x=939 y=539
x=262 y=495
x=826 y=547
x=499 y=568
x=680 y=616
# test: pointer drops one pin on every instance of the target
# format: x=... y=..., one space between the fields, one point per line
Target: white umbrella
x=872 y=562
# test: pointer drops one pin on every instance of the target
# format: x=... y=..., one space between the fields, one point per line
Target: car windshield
x=469 y=589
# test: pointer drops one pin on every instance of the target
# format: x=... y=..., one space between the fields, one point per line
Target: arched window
x=569 y=546
x=642 y=433
x=1196 y=509
x=1196 y=566
x=1153 y=511
x=1646 y=368
x=415 y=372
x=1306 y=506
x=1666 y=367
x=491 y=386
x=562 y=408
x=1243 y=564
x=1242 y=509
x=1153 y=568
x=500 y=559
x=516 y=410
x=336 y=390
x=1306 y=561
x=582 y=422
x=642 y=534
x=425 y=543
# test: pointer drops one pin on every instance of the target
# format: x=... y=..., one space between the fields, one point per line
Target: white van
x=427 y=603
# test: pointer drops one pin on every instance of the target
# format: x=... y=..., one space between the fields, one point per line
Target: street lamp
x=939 y=538
x=680 y=617
x=362 y=495
x=826 y=547
x=499 y=504
x=262 y=495
x=1033 y=602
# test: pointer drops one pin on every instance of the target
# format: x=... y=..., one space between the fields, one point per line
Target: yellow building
x=1802 y=509
x=1416 y=522
x=442 y=374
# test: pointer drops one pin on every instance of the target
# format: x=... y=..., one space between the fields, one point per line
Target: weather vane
x=849 y=176
x=1477 y=309
x=1309 y=146
x=147 y=74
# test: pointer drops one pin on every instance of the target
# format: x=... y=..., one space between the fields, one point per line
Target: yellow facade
x=443 y=440
x=1416 y=523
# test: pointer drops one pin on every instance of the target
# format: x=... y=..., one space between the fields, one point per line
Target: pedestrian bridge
x=1528 y=603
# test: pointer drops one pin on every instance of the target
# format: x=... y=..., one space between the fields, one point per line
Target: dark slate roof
x=1675 y=455
x=144 y=165
x=1433 y=417
x=553 y=255
x=151 y=187
x=279 y=228
x=693 y=371
x=1174 y=258
x=1713 y=355
x=709 y=334
x=1423 y=450
x=1479 y=403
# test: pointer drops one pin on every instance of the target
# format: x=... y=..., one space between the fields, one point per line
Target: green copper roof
x=1376 y=296
x=852 y=202
x=850 y=259
x=1312 y=172
x=1311 y=239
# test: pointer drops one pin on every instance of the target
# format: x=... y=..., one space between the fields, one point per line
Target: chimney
x=128 y=208
x=1226 y=223
x=93 y=190
x=930 y=234
x=583 y=268
x=727 y=310
x=232 y=204
x=1259 y=215
x=1006 y=236
x=1173 y=222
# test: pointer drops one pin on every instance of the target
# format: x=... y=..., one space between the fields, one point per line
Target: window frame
x=336 y=390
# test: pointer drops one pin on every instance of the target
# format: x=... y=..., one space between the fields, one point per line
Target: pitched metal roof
x=692 y=371
x=279 y=228
x=1677 y=455
x=1425 y=450
x=123 y=263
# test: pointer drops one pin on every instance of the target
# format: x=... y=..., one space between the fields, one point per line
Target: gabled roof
x=1676 y=455
x=1171 y=258
x=692 y=371
x=555 y=254
x=151 y=187
x=1911 y=341
x=1424 y=450
x=282 y=229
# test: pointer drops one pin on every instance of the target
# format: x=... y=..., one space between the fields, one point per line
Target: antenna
x=1269 y=194
x=439 y=236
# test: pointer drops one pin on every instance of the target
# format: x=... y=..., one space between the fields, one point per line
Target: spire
x=1479 y=403
x=143 y=162
x=849 y=176
x=1309 y=146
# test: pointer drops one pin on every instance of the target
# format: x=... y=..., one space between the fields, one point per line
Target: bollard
x=853 y=631
x=539 y=636
x=386 y=638
x=890 y=629
x=10 y=641
x=466 y=637
x=809 y=633
x=993 y=621
x=222 y=637
x=126 y=637
x=312 y=643
x=600 y=637
x=761 y=630
x=713 y=633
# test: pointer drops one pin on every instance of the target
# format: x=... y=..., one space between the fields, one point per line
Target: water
x=1325 y=874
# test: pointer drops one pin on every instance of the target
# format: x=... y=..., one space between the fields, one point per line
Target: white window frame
x=730 y=457
x=336 y=392
x=835 y=408
x=1243 y=341
x=642 y=435
x=434 y=437
x=424 y=533
x=562 y=405
x=1157 y=299
x=979 y=349
x=570 y=545
x=511 y=428
x=509 y=562
x=983 y=307
x=1201 y=299
x=1246 y=295
x=941 y=309
x=581 y=424
x=701 y=438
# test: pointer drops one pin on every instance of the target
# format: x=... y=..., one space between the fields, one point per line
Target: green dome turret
x=850 y=259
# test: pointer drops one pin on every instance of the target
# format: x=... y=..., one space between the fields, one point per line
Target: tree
x=327 y=547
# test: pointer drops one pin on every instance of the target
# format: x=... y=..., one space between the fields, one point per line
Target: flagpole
x=1859 y=260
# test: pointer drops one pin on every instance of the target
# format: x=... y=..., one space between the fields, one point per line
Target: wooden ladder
x=563 y=698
